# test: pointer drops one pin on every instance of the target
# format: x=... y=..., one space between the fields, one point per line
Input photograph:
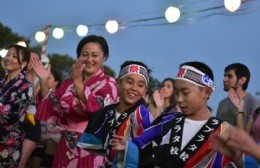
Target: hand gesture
x=158 y=99
x=235 y=140
x=77 y=70
x=118 y=143
x=42 y=72
x=224 y=143
x=237 y=101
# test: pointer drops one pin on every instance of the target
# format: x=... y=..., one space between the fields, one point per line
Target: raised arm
x=239 y=104
x=159 y=104
x=43 y=74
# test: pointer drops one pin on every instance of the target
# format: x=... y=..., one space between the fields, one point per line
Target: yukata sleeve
x=145 y=117
x=26 y=97
x=95 y=98
x=44 y=106
x=91 y=139
x=91 y=143
x=144 y=144
x=18 y=103
x=250 y=162
x=131 y=156
x=26 y=93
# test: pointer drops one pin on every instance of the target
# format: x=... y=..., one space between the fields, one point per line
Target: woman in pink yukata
x=71 y=106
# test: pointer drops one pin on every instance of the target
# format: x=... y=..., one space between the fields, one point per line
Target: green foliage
x=109 y=71
x=153 y=84
x=2 y=72
x=62 y=63
x=36 y=48
x=8 y=37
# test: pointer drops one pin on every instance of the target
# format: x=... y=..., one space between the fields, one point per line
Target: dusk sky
x=213 y=36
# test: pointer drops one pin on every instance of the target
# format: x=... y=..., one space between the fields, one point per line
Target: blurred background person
x=50 y=134
x=31 y=126
x=235 y=82
x=164 y=99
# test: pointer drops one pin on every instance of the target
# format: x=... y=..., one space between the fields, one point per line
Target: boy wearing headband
x=182 y=139
x=128 y=118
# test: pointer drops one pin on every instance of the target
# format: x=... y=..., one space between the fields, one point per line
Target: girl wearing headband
x=182 y=140
x=128 y=118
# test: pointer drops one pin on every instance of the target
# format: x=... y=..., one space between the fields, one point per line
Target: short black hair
x=57 y=76
x=241 y=70
x=93 y=38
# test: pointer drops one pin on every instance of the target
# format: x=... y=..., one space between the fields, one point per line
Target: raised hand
x=42 y=72
x=158 y=99
x=77 y=70
x=237 y=101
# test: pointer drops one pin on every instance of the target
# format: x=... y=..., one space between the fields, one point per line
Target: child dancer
x=128 y=118
x=181 y=140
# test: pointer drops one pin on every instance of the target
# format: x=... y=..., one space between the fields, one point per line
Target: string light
x=82 y=30
x=172 y=14
x=58 y=33
x=232 y=5
x=178 y=15
x=40 y=36
x=3 y=52
x=112 y=26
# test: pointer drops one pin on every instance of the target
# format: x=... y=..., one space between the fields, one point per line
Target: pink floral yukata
x=64 y=109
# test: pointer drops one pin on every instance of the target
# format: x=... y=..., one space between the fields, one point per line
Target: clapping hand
x=77 y=70
x=42 y=72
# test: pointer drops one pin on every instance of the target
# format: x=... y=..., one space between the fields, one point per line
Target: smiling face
x=11 y=63
x=191 y=98
x=131 y=89
x=94 y=56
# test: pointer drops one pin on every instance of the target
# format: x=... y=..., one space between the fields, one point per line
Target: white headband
x=134 y=69
x=195 y=76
